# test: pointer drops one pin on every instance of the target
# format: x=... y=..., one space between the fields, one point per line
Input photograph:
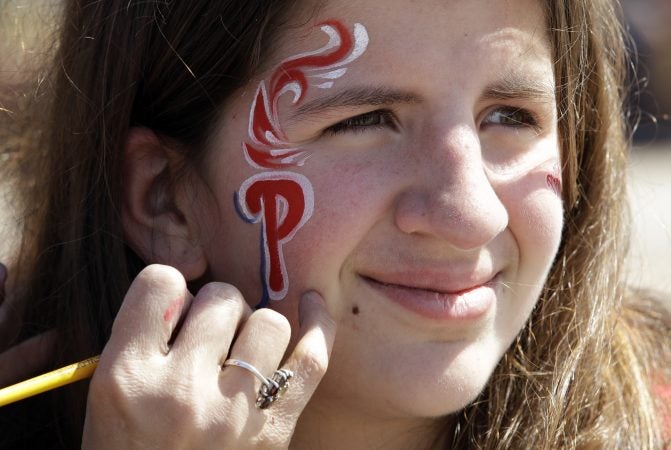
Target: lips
x=438 y=296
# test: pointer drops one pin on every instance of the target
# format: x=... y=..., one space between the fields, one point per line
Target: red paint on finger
x=175 y=306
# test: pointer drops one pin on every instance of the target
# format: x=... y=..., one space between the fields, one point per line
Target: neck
x=333 y=426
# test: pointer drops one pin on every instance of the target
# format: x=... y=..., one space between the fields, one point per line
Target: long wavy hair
x=579 y=375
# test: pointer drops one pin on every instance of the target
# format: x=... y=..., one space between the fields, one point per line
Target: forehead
x=429 y=32
x=436 y=49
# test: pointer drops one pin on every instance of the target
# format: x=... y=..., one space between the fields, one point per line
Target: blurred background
x=650 y=166
x=26 y=33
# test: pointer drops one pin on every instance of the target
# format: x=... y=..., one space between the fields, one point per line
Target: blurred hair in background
x=27 y=38
x=648 y=22
x=650 y=166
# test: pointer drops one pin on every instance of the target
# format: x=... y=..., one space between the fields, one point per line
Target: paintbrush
x=48 y=381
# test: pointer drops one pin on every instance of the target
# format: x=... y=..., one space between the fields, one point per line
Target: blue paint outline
x=238 y=209
x=265 y=297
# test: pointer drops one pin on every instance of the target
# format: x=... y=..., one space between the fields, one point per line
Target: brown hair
x=578 y=375
x=168 y=66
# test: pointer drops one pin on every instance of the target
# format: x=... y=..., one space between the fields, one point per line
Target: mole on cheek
x=355 y=310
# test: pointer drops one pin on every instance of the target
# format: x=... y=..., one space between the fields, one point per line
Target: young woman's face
x=433 y=170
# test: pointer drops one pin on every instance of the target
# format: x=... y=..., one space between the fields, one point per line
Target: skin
x=442 y=188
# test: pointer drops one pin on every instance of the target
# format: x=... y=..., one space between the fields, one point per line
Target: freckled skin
x=282 y=210
x=446 y=185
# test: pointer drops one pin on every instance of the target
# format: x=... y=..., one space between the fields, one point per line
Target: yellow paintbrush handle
x=48 y=381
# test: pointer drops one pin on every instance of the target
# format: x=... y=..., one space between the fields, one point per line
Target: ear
x=157 y=208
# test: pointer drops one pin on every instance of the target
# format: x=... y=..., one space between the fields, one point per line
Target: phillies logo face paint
x=281 y=200
x=554 y=180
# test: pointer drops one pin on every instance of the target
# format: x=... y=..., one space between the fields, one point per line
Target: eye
x=508 y=116
x=381 y=118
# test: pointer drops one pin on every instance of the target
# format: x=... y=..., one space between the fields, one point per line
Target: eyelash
x=510 y=116
x=382 y=118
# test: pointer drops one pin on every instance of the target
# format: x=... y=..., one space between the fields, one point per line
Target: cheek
x=349 y=194
x=344 y=213
x=535 y=213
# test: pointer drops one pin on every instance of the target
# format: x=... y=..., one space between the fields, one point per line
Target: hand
x=160 y=381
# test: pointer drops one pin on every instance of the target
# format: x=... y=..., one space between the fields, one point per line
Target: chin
x=460 y=384
x=432 y=382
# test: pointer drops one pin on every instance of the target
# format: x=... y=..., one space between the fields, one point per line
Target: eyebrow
x=356 y=96
x=511 y=86
x=518 y=86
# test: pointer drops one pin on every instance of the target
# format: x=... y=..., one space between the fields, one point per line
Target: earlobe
x=156 y=214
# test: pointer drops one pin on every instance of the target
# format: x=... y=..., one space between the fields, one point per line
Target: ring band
x=246 y=365
x=271 y=388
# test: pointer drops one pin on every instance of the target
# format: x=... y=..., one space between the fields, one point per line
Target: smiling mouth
x=467 y=304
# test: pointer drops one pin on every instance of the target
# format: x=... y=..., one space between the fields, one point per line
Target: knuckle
x=157 y=282
x=313 y=363
x=220 y=299
x=221 y=292
x=273 y=322
x=161 y=275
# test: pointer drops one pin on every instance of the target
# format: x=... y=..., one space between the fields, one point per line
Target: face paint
x=554 y=180
x=281 y=200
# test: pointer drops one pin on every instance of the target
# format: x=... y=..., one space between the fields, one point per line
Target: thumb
x=309 y=359
x=316 y=334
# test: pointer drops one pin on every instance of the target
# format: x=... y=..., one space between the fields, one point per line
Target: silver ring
x=246 y=365
x=271 y=388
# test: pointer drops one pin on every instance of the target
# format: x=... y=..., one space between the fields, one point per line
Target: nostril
x=411 y=211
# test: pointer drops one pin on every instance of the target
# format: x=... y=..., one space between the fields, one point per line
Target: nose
x=451 y=196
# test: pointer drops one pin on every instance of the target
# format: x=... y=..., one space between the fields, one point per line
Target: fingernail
x=307 y=300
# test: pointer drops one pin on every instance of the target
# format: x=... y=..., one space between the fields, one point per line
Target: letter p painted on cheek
x=281 y=200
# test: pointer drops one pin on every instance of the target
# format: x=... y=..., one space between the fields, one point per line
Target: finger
x=309 y=359
x=26 y=359
x=211 y=324
x=151 y=310
x=261 y=343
